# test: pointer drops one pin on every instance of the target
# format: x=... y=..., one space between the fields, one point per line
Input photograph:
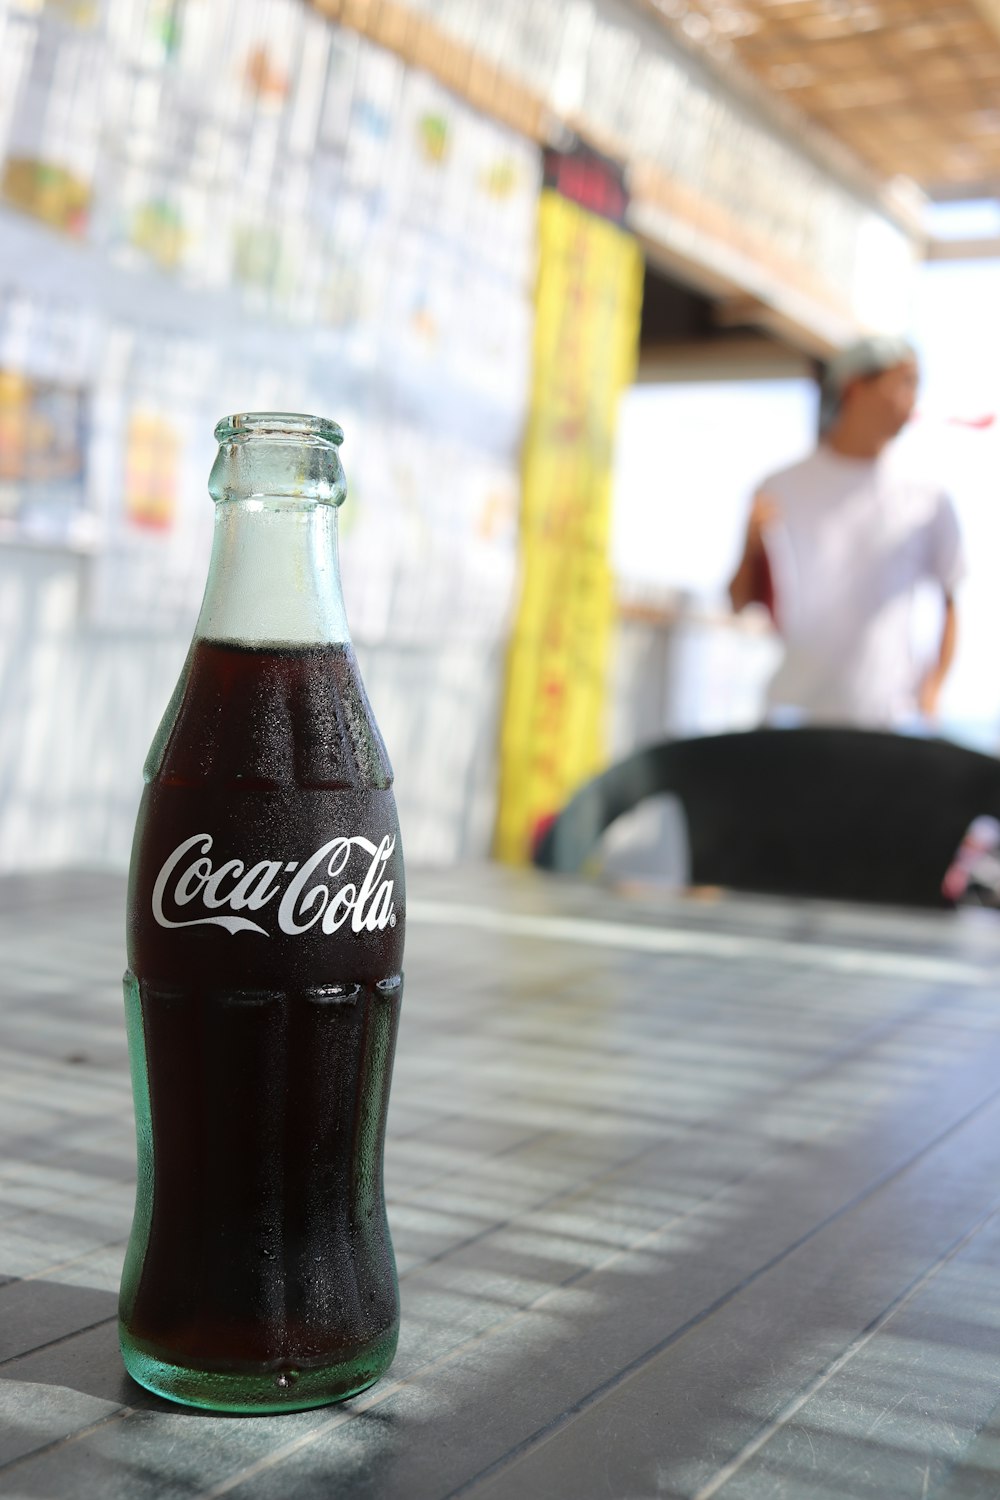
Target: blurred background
x=564 y=272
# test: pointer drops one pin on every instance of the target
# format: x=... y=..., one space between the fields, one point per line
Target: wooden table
x=689 y=1199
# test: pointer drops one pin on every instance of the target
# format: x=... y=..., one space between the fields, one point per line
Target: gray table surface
x=689 y=1199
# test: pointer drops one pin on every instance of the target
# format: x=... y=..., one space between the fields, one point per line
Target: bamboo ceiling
x=911 y=86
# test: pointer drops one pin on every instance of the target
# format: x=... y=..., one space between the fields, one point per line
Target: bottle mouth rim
x=289 y=425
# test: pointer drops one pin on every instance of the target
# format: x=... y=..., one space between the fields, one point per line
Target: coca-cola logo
x=305 y=901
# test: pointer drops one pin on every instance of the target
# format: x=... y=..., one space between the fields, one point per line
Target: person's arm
x=743 y=586
x=930 y=688
x=947 y=566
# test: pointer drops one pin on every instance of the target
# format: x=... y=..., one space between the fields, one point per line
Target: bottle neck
x=274 y=577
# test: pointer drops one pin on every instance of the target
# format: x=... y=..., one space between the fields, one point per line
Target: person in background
x=836 y=546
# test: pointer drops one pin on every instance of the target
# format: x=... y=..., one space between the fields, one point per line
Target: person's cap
x=869 y=356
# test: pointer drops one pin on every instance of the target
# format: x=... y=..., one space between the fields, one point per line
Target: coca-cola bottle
x=265 y=943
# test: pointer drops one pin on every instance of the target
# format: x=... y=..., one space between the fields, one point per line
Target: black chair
x=841 y=813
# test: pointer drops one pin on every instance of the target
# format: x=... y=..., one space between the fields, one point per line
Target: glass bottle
x=265 y=937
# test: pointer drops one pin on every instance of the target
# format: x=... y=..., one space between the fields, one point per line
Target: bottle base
x=284 y=1387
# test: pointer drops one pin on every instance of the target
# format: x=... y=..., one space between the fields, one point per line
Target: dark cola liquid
x=265 y=993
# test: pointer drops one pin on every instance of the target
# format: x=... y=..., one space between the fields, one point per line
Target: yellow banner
x=586 y=340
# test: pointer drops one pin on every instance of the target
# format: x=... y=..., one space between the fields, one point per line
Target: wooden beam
x=738 y=312
x=753 y=357
x=986 y=248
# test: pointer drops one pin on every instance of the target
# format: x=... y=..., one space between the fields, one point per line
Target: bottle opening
x=278 y=455
x=279 y=426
